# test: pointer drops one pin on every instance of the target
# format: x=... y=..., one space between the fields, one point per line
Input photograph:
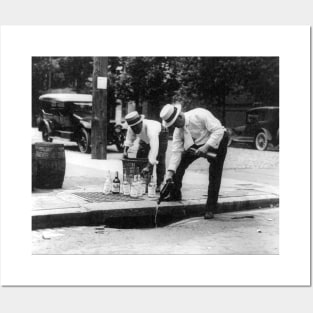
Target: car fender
x=266 y=131
x=277 y=135
x=230 y=131
x=46 y=123
x=239 y=130
x=85 y=124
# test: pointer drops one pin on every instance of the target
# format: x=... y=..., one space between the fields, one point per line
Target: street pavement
x=252 y=232
x=250 y=181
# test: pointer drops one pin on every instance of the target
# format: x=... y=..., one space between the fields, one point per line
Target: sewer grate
x=101 y=197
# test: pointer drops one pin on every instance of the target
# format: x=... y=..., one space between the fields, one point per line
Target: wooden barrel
x=50 y=159
x=34 y=166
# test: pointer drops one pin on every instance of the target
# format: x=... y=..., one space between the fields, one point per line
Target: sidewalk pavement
x=62 y=208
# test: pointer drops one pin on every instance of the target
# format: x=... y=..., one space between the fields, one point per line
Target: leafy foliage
x=192 y=81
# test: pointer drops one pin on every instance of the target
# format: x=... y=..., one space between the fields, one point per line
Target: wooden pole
x=99 y=109
x=49 y=73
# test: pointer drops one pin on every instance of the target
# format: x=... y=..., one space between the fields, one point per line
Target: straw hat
x=169 y=114
x=133 y=118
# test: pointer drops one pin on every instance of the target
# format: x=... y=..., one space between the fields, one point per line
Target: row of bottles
x=133 y=186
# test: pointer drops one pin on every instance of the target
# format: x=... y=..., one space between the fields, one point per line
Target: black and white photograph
x=155 y=155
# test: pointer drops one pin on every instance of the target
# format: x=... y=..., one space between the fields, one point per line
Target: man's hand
x=146 y=170
x=169 y=176
x=202 y=150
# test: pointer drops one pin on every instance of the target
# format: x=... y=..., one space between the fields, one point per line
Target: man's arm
x=216 y=129
x=153 y=134
x=129 y=141
x=177 y=150
x=214 y=126
x=130 y=138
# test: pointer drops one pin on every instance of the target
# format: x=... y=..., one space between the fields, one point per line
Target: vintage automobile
x=68 y=116
x=261 y=128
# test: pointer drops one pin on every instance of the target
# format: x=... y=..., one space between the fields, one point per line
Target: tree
x=207 y=81
x=50 y=73
x=76 y=72
x=145 y=79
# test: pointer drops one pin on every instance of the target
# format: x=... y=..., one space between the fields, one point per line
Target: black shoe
x=208 y=215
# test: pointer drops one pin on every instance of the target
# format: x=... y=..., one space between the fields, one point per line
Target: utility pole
x=99 y=109
x=49 y=73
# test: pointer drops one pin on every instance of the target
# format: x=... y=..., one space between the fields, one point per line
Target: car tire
x=261 y=141
x=83 y=141
x=45 y=134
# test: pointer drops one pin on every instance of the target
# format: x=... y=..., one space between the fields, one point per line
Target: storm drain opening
x=101 y=197
x=153 y=218
x=140 y=222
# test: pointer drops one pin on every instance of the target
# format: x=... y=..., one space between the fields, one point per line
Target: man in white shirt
x=153 y=143
x=196 y=133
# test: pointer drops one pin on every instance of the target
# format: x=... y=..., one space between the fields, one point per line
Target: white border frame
x=290 y=43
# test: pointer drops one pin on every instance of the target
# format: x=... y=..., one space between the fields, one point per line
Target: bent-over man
x=153 y=143
x=200 y=130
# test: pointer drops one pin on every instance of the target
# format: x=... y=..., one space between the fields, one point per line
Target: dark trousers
x=144 y=149
x=215 y=173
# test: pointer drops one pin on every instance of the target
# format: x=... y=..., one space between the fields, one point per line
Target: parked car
x=68 y=116
x=261 y=128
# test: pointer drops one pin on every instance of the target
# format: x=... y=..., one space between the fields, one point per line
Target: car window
x=257 y=116
x=46 y=106
x=57 y=105
x=82 y=107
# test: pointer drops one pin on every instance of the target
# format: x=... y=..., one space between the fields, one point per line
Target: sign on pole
x=99 y=109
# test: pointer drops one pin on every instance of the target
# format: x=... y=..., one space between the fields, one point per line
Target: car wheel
x=83 y=141
x=45 y=134
x=261 y=141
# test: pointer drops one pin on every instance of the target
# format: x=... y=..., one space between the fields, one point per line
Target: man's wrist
x=207 y=145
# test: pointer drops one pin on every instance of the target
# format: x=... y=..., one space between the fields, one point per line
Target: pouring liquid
x=156 y=214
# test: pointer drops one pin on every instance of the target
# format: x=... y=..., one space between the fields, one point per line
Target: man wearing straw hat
x=153 y=143
x=200 y=130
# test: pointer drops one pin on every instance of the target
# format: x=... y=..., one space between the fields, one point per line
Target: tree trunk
x=99 y=111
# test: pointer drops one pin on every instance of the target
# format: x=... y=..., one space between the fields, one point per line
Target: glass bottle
x=151 y=188
x=133 y=187
x=126 y=186
x=139 y=186
x=138 y=182
x=116 y=184
x=143 y=185
x=107 y=183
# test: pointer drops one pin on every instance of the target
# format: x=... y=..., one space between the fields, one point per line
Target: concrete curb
x=98 y=215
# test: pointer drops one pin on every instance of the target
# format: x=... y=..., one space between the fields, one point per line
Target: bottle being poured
x=164 y=192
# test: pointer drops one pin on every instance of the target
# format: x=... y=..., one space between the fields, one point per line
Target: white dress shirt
x=150 y=135
x=201 y=127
